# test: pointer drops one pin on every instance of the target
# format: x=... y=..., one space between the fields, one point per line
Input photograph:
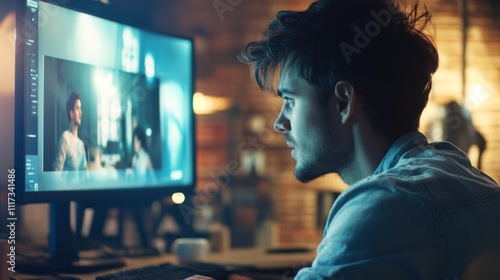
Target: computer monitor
x=104 y=112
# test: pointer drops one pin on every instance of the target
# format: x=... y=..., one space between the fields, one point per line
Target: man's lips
x=290 y=144
x=292 y=148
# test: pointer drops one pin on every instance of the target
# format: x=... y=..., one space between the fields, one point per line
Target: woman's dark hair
x=375 y=45
x=141 y=136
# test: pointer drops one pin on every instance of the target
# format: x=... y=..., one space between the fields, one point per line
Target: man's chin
x=305 y=176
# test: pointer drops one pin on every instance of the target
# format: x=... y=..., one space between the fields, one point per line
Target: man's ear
x=346 y=96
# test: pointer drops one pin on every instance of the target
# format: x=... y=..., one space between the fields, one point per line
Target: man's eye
x=288 y=100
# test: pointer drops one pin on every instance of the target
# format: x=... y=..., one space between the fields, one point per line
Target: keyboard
x=167 y=271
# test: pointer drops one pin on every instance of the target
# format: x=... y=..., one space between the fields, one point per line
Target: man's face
x=311 y=127
x=76 y=113
x=137 y=144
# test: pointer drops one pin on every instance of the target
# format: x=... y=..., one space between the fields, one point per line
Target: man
x=355 y=76
x=141 y=162
x=71 y=150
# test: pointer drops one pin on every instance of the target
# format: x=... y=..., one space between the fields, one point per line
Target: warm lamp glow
x=7 y=51
x=204 y=104
x=178 y=198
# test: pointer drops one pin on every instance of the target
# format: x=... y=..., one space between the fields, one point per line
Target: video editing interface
x=107 y=105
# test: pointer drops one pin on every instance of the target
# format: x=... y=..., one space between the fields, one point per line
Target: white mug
x=191 y=249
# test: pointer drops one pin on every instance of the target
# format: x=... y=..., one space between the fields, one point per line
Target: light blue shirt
x=141 y=162
x=426 y=213
x=70 y=153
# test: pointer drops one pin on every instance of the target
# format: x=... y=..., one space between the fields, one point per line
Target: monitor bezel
x=139 y=195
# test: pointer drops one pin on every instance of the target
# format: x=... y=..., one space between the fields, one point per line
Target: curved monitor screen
x=106 y=106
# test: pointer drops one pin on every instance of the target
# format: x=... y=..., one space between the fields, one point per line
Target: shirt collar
x=403 y=144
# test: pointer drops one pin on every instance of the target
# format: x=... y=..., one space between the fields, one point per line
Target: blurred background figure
x=95 y=162
x=454 y=124
x=141 y=162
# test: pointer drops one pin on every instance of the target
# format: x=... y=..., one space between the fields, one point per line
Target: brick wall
x=482 y=85
x=483 y=61
x=220 y=34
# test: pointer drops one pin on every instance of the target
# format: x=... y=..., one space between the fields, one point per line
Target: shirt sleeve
x=84 y=157
x=376 y=232
x=61 y=151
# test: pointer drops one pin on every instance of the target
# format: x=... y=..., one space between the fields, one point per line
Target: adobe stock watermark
x=220 y=180
x=371 y=30
x=223 y=6
x=477 y=96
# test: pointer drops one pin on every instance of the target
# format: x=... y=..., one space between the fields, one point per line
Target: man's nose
x=282 y=124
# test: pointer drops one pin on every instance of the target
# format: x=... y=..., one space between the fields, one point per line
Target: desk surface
x=257 y=257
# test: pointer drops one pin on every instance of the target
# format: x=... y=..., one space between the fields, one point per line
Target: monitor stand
x=64 y=256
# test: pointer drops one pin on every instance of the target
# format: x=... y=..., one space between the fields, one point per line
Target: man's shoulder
x=409 y=182
x=66 y=134
x=379 y=211
x=65 y=138
x=430 y=190
x=384 y=188
x=385 y=195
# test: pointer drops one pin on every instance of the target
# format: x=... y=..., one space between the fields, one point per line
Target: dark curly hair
x=374 y=44
x=141 y=136
x=70 y=104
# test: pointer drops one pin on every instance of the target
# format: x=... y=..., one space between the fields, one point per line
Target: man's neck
x=73 y=128
x=369 y=150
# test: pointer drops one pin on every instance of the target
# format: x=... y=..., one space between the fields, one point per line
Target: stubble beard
x=331 y=156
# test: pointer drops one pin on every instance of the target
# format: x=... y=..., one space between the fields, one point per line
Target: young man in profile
x=70 y=154
x=355 y=76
